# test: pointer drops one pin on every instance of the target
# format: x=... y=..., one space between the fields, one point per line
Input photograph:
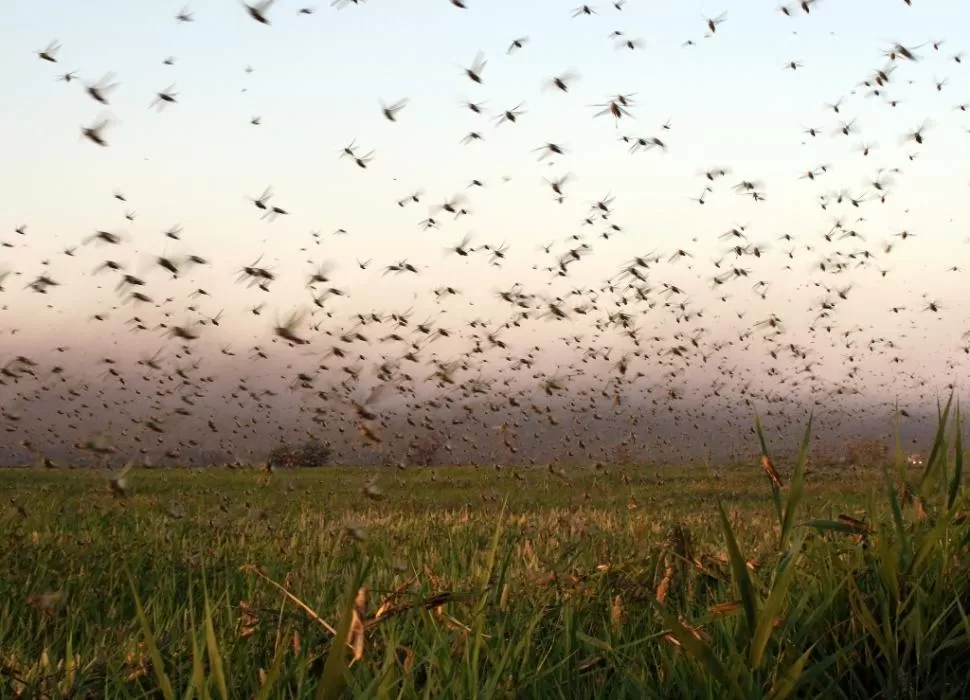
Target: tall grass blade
x=775 y=491
x=788 y=679
x=334 y=678
x=796 y=488
x=266 y=688
x=938 y=448
x=164 y=684
x=772 y=606
x=69 y=667
x=930 y=540
x=479 y=634
x=702 y=654
x=740 y=570
x=956 y=483
x=212 y=650
x=896 y=509
x=898 y=454
x=197 y=679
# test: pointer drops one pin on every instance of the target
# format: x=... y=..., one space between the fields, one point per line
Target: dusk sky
x=317 y=83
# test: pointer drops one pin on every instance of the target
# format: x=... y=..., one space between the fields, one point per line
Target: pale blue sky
x=317 y=82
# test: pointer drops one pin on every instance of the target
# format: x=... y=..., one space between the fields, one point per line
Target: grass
x=615 y=582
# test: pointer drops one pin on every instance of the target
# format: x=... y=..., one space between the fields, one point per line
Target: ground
x=509 y=582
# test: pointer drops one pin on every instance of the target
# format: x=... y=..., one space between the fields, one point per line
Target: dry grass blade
x=355 y=635
x=616 y=613
x=252 y=568
x=388 y=603
x=432 y=602
x=727 y=608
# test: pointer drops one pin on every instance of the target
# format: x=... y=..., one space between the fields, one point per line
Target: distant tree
x=282 y=455
x=312 y=453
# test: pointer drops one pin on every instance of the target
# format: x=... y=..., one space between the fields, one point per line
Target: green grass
x=461 y=582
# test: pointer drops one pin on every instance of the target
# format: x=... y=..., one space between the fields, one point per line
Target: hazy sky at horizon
x=316 y=83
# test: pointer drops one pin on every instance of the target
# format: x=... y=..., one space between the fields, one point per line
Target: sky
x=317 y=84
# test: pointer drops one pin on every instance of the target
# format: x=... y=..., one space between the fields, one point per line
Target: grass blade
x=930 y=540
x=212 y=651
x=958 y=462
x=788 y=679
x=334 y=678
x=740 y=570
x=699 y=651
x=796 y=488
x=771 y=608
x=197 y=679
x=164 y=684
x=769 y=468
x=936 y=450
x=266 y=688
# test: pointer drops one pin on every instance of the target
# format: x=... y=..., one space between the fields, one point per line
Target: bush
x=423 y=452
x=311 y=453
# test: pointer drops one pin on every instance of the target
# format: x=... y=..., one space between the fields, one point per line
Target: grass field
x=615 y=581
